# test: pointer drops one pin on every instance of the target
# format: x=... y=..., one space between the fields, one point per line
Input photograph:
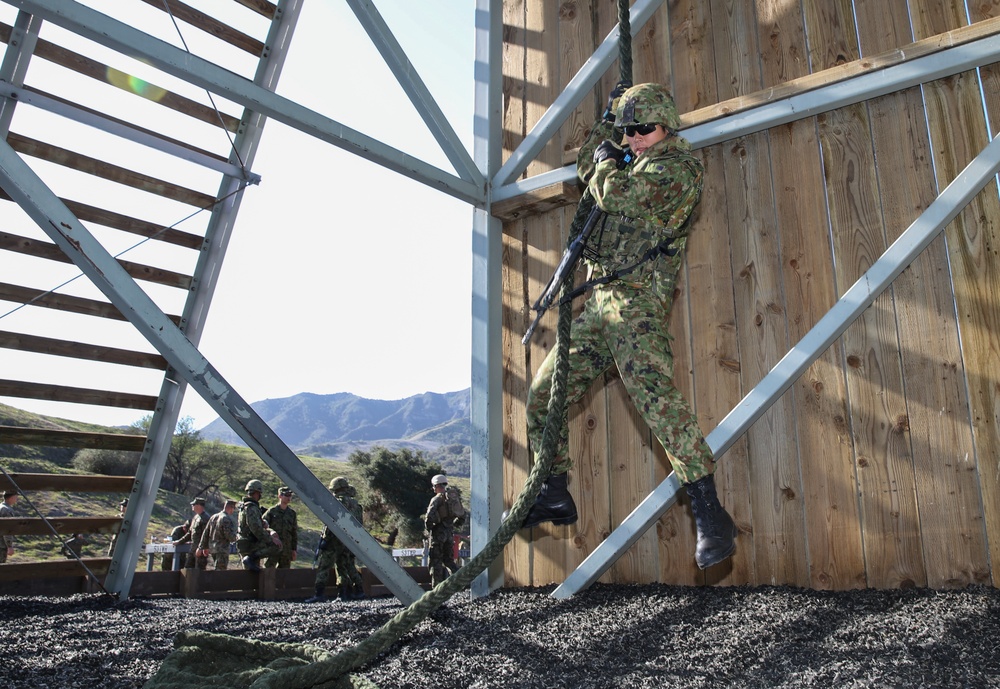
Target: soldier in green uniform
x=179 y=535
x=283 y=521
x=254 y=540
x=7 y=512
x=219 y=535
x=440 y=522
x=647 y=190
x=199 y=522
x=334 y=555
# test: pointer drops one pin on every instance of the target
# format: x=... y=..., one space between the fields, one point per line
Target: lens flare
x=135 y=85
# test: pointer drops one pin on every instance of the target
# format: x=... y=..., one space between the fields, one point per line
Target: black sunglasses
x=641 y=129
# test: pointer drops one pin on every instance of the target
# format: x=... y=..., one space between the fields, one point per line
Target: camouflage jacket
x=7 y=513
x=439 y=520
x=199 y=523
x=331 y=542
x=219 y=534
x=251 y=525
x=285 y=523
x=647 y=203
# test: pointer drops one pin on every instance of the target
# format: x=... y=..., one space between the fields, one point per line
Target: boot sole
x=565 y=521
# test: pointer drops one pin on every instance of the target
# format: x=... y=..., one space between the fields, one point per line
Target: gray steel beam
x=45 y=208
x=26 y=96
x=205 y=278
x=414 y=87
x=583 y=81
x=977 y=174
x=807 y=104
x=20 y=48
x=487 y=324
x=114 y=34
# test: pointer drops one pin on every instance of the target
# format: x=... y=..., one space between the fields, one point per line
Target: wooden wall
x=879 y=467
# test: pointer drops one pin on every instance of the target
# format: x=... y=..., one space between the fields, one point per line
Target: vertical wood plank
x=826 y=458
x=893 y=549
x=546 y=242
x=948 y=486
x=977 y=278
x=776 y=490
x=517 y=457
x=704 y=321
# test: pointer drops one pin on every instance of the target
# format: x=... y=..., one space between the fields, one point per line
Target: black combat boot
x=716 y=530
x=345 y=592
x=319 y=594
x=358 y=592
x=251 y=563
x=553 y=504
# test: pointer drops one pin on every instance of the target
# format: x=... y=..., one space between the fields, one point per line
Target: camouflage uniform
x=253 y=539
x=6 y=512
x=179 y=535
x=335 y=555
x=199 y=522
x=440 y=522
x=625 y=322
x=219 y=535
x=285 y=523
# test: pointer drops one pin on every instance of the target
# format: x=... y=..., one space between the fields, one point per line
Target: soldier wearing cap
x=198 y=524
x=647 y=190
x=284 y=522
x=254 y=539
x=7 y=512
x=219 y=535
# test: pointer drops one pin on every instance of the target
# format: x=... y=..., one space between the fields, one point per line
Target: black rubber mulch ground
x=610 y=636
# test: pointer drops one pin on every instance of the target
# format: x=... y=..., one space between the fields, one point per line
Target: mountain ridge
x=336 y=424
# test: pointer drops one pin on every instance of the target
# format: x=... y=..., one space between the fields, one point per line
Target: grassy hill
x=170 y=508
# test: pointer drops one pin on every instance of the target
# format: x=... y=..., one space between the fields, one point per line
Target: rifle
x=563 y=271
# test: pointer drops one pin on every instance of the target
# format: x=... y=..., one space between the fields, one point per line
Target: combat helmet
x=254 y=485
x=647 y=104
x=439 y=479
x=339 y=483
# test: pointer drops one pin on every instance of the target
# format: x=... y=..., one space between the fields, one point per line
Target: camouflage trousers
x=625 y=326
x=441 y=558
x=258 y=549
x=341 y=561
x=192 y=561
x=281 y=561
x=220 y=561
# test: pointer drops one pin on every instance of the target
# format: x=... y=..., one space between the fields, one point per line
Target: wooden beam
x=63 y=302
x=81 y=350
x=114 y=173
x=72 y=483
x=833 y=75
x=51 y=252
x=34 y=571
x=210 y=25
x=63 y=393
x=36 y=526
x=262 y=7
x=537 y=202
x=103 y=73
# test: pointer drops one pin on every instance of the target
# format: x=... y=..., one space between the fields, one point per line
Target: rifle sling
x=662 y=247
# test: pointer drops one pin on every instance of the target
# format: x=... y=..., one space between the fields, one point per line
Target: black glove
x=616 y=93
x=607 y=149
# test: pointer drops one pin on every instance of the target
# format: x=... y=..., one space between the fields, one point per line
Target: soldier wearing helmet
x=254 y=540
x=333 y=555
x=645 y=179
x=444 y=513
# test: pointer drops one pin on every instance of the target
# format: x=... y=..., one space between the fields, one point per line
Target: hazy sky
x=340 y=276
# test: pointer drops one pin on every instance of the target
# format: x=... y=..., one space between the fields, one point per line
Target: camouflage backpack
x=454 y=497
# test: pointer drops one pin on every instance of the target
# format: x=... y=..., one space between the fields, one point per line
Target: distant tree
x=106 y=462
x=398 y=487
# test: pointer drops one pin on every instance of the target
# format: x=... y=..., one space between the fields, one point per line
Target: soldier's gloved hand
x=616 y=93
x=607 y=149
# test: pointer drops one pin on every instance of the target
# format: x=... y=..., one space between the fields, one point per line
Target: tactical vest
x=630 y=244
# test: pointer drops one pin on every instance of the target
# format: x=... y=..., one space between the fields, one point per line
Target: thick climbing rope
x=301 y=666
